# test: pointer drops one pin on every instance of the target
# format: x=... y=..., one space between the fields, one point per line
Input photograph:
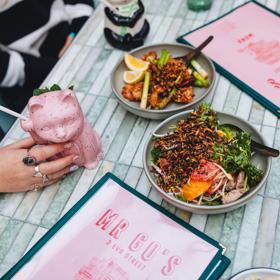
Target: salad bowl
x=261 y=162
x=257 y=273
x=175 y=50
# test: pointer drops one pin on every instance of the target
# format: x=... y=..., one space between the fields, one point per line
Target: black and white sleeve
x=18 y=69
x=78 y=11
x=12 y=68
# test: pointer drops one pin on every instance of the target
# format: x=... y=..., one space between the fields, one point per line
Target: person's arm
x=12 y=68
x=2 y=134
x=78 y=12
x=18 y=69
x=36 y=69
x=15 y=176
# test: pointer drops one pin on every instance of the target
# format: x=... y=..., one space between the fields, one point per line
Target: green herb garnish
x=227 y=131
x=156 y=154
x=164 y=56
x=236 y=156
x=55 y=87
x=254 y=174
x=180 y=197
x=206 y=114
x=212 y=203
x=200 y=81
x=39 y=91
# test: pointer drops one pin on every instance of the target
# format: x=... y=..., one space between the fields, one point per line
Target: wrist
x=72 y=35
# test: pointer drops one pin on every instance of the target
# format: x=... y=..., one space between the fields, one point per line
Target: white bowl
x=261 y=272
x=200 y=94
x=262 y=162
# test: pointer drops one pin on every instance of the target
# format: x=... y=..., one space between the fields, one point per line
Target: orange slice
x=194 y=189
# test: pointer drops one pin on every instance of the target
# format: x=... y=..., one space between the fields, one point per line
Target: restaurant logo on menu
x=140 y=249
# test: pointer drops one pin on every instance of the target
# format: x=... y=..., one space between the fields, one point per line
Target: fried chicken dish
x=170 y=81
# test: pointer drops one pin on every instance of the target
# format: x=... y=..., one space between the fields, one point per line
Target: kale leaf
x=236 y=156
x=254 y=174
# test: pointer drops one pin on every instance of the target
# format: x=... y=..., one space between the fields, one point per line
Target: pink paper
x=117 y=236
x=247 y=44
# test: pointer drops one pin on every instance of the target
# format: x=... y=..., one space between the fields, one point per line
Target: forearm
x=12 y=69
x=18 y=69
x=36 y=69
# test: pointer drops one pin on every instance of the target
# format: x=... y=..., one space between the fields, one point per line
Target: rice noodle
x=210 y=174
x=219 y=176
x=159 y=135
x=162 y=135
x=223 y=189
x=157 y=169
x=200 y=199
x=211 y=199
x=223 y=170
x=173 y=193
x=218 y=185
x=170 y=148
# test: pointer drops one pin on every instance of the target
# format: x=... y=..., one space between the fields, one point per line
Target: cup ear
x=68 y=95
x=35 y=103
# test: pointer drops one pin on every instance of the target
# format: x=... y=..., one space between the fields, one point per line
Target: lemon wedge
x=135 y=64
x=131 y=77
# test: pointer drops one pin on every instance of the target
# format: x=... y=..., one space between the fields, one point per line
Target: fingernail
x=68 y=145
x=76 y=159
x=74 y=168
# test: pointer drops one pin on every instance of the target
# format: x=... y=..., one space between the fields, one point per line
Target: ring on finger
x=29 y=160
x=35 y=188
x=45 y=179
x=37 y=172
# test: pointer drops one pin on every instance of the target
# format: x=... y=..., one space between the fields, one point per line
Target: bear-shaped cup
x=57 y=117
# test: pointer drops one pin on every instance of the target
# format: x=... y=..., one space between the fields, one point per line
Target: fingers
x=24 y=143
x=50 y=182
x=57 y=165
x=62 y=172
x=66 y=45
x=54 y=177
x=42 y=153
x=41 y=185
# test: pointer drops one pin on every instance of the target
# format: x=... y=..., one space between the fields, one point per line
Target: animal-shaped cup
x=56 y=117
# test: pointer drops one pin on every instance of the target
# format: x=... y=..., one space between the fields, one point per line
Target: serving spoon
x=258 y=147
x=195 y=52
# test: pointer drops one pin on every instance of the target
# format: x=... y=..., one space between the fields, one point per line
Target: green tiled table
x=251 y=234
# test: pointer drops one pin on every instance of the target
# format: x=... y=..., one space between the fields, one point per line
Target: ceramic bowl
x=260 y=161
x=200 y=94
x=262 y=273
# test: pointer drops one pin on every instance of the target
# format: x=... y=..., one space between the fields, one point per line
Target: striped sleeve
x=84 y=2
x=18 y=69
x=12 y=69
x=36 y=69
x=1 y=134
x=4 y=62
x=78 y=11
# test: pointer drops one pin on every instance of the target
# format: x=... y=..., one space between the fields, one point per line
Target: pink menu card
x=112 y=234
x=246 y=49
